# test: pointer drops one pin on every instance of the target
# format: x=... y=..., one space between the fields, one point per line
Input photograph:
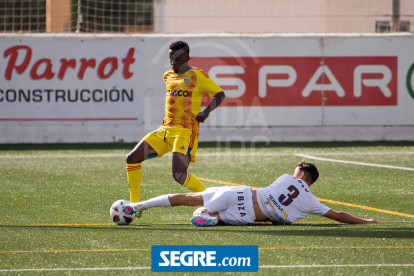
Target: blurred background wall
x=90 y=71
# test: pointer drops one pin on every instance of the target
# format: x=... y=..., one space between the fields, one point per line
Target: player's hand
x=373 y=221
x=128 y=209
x=202 y=116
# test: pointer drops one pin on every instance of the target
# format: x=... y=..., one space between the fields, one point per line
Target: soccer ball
x=117 y=214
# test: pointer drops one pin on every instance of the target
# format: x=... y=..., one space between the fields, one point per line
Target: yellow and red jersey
x=184 y=95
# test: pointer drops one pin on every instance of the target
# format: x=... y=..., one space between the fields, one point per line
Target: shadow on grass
x=129 y=146
x=307 y=230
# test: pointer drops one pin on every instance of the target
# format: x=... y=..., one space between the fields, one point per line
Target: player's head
x=179 y=54
x=307 y=172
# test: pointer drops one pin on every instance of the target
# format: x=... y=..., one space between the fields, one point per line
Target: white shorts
x=234 y=204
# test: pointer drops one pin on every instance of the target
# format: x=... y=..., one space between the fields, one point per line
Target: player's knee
x=179 y=177
x=133 y=158
x=129 y=158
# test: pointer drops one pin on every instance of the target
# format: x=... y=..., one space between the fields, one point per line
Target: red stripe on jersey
x=201 y=70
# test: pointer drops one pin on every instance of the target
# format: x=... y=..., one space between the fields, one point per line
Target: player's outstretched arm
x=347 y=218
x=215 y=102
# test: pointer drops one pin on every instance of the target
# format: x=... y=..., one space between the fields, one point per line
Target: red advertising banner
x=71 y=80
x=304 y=81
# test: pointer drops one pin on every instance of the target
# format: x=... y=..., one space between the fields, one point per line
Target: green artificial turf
x=55 y=200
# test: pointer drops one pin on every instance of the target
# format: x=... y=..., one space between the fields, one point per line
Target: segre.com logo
x=204 y=258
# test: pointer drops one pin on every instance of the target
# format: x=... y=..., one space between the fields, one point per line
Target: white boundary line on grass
x=147 y=267
x=74 y=268
x=352 y=162
x=34 y=156
x=340 y=265
x=92 y=155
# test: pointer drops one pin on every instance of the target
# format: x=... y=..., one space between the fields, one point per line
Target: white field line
x=340 y=265
x=63 y=156
x=367 y=153
x=147 y=267
x=218 y=153
x=352 y=162
x=75 y=268
x=256 y=153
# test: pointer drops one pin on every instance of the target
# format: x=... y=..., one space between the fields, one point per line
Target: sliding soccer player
x=285 y=201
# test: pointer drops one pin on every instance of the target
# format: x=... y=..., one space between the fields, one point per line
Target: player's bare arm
x=215 y=102
x=347 y=218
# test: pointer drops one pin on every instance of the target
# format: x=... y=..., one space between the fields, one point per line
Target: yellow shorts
x=166 y=139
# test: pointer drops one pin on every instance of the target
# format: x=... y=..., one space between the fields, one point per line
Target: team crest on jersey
x=187 y=79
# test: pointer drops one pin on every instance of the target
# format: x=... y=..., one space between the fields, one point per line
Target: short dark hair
x=178 y=45
x=309 y=168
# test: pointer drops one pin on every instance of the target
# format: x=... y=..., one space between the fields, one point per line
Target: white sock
x=159 y=201
x=205 y=215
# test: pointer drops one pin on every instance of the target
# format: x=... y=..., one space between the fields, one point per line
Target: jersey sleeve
x=165 y=76
x=206 y=84
x=318 y=208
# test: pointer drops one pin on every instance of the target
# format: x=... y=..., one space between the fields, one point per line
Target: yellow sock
x=193 y=183
x=134 y=174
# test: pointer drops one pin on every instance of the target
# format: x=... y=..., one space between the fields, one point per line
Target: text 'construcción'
x=66 y=95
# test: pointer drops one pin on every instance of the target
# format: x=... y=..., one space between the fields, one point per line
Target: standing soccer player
x=179 y=132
